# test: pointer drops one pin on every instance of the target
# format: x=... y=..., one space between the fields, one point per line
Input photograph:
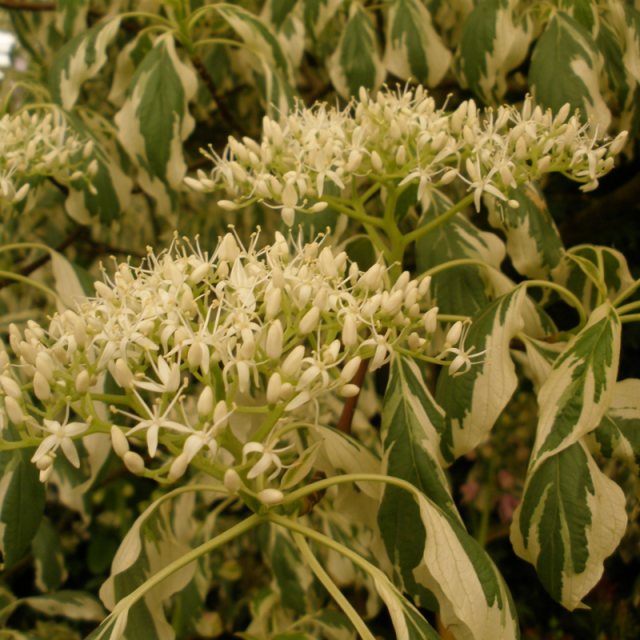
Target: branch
x=344 y=424
x=27 y=6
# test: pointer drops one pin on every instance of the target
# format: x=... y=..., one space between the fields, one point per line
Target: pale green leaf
x=495 y=40
x=414 y=48
x=48 y=557
x=79 y=60
x=473 y=401
x=356 y=62
x=75 y=605
x=567 y=50
x=533 y=241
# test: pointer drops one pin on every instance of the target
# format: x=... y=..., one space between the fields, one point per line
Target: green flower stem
x=627 y=293
x=28 y=281
x=632 y=317
x=357 y=213
x=16 y=246
x=369 y=193
x=332 y=587
x=416 y=234
x=452 y=264
x=12 y=445
x=206 y=547
x=144 y=14
x=452 y=317
x=227 y=41
x=564 y=293
x=417 y=356
x=632 y=306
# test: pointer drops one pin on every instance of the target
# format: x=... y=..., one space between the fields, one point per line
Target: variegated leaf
x=537 y=359
x=71 y=17
x=155 y=121
x=80 y=59
x=271 y=67
x=494 y=41
x=356 y=62
x=408 y=623
x=465 y=289
x=277 y=12
x=161 y=534
x=130 y=56
x=567 y=50
x=48 y=558
x=414 y=48
x=473 y=401
x=533 y=241
x=589 y=271
x=76 y=605
x=319 y=13
x=618 y=435
x=572 y=516
x=19 y=487
x=570 y=519
x=578 y=390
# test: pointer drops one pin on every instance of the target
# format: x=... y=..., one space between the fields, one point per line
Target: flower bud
x=10 y=386
x=232 y=480
x=44 y=463
x=275 y=334
x=349 y=390
x=220 y=414
x=119 y=441
x=309 y=321
x=291 y=365
x=453 y=335
x=430 y=320
x=350 y=331
x=83 y=381
x=204 y=405
x=271 y=496
x=350 y=369
x=178 y=467
x=41 y=387
x=134 y=462
x=13 y=410
x=274 y=386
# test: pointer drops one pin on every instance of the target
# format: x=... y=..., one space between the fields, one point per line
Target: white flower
x=60 y=437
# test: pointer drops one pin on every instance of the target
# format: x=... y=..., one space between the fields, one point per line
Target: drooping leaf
x=79 y=60
x=318 y=13
x=567 y=50
x=414 y=48
x=356 y=62
x=572 y=516
x=48 y=557
x=533 y=240
x=473 y=401
x=155 y=121
x=618 y=435
x=494 y=41
x=21 y=504
x=76 y=605
x=465 y=289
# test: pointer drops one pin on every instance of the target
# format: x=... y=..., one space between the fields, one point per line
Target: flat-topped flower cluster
x=211 y=358
x=39 y=144
x=403 y=137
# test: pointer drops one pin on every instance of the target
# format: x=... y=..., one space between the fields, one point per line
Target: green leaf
x=130 y=56
x=473 y=401
x=467 y=288
x=270 y=66
x=533 y=241
x=277 y=11
x=592 y=271
x=48 y=557
x=570 y=519
x=494 y=41
x=572 y=516
x=155 y=121
x=618 y=435
x=566 y=50
x=356 y=62
x=71 y=17
x=414 y=48
x=79 y=60
x=319 y=13
x=160 y=535
x=21 y=504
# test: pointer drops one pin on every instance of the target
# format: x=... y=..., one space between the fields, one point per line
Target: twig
x=27 y=6
x=344 y=424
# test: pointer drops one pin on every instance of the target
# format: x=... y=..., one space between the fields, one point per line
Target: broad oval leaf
x=567 y=50
x=80 y=59
x=473 y=401
x=155 y=121
x=356 y=62
x=414 y=48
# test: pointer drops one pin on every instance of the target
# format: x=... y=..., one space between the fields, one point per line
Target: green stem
x=36 y=285
x=632 y=317
x=452 y=264
x=564 y=293
x=627 y=293
x=355 y=213
x=416 y=234
x=227 y=41
x=632 y=306
x=206 y=547
x=332 y=587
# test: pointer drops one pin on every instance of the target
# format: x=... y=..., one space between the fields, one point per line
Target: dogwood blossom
x=401 y=137
x=212 y=358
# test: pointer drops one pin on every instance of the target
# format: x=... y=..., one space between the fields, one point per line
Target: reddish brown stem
x=344 y=424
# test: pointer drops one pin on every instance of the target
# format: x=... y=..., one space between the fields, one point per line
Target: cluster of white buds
x=39 y=144
x=402 y=137
x=212 y=357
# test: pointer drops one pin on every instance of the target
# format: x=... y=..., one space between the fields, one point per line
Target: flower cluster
x=39 y=144
x=401 y=136
x=213 y=357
